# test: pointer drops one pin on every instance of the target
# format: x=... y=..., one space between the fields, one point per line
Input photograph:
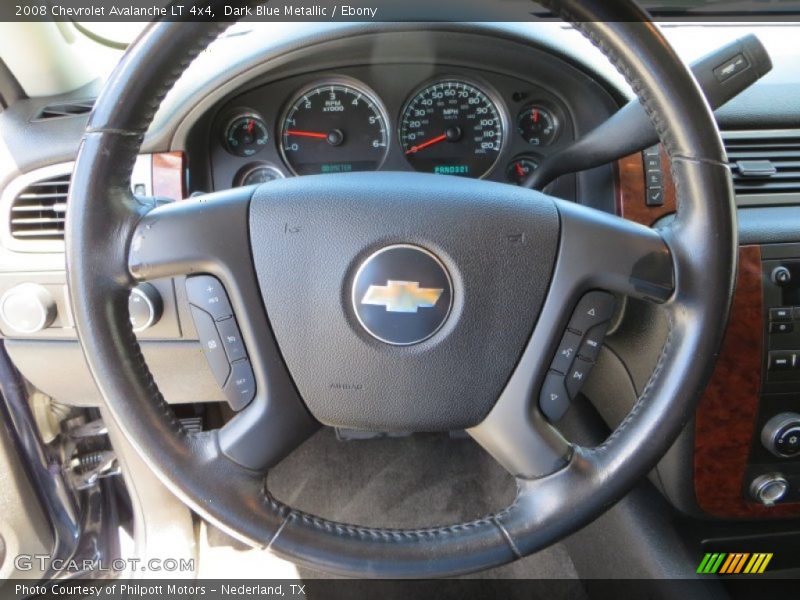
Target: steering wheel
x=508 y=266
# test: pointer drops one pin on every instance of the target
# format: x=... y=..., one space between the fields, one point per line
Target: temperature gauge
x=246 y=135
x=537 y=125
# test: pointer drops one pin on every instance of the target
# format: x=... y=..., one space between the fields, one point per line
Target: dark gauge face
x=246 y=135
x=257 y=174
x=538 y=126
x=452 y=128
x=334 y=127
x=520 y=169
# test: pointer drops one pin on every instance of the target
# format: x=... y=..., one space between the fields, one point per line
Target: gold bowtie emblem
x=402 y=296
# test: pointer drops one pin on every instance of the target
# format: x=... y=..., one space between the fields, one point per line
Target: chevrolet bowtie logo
x=402 y=296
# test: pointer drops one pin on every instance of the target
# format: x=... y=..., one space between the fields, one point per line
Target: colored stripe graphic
x=734 y=563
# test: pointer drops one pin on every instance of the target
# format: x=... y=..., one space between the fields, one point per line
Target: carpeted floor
x=422 y=480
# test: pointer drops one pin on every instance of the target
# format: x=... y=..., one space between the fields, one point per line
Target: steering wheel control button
x=577 y=376
x=231 y=339
x=28 y=308
x=592 y=342
x=241 y=386
x=566 y=353
x=554 y=400
x=144 y=306
x=781 y=435
x=593 y=309
x=769 y=489
x=208 y=294
x=212 y=345
x=577 y=352
x=781 y=360
x=402 y=295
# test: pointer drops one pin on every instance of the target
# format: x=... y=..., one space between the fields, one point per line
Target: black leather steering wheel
x=518 y=263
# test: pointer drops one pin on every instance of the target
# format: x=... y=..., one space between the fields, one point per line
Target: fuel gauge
x=537 y=125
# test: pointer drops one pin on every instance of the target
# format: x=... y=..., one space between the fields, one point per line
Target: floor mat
x=416 y=481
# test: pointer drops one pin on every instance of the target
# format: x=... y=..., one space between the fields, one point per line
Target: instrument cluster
x=473 y=124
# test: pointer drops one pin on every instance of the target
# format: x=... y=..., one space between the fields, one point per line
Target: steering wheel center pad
x=309 y=237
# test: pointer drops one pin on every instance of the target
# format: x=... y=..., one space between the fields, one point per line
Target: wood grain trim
x=726 y=416
x=168 y=180
x=631 y=190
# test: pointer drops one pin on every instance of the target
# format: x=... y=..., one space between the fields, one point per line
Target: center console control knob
x=781 y=276
x=28 y=308
x=145 y=306
x=769 y=489
x=781 y=435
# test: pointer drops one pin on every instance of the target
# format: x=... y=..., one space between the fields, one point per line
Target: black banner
x=369 y=10
x=352 y=589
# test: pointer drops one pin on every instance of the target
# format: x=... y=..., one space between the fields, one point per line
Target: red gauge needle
x=535 y=116
x=431 y=142
x=251 y=125
x=520 y=170
x=309 y=134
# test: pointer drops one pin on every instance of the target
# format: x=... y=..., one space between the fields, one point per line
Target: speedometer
x=336 y=126
x=454 y=128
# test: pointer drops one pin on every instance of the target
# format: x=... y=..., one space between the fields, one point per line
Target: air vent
x=765 y=165
x=38 y=211
x=67 y=109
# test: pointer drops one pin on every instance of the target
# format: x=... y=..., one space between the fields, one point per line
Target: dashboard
x=422 y=100
x=400 y=117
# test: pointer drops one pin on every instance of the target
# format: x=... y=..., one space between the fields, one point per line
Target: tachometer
x=454 y=128
x=334 y=127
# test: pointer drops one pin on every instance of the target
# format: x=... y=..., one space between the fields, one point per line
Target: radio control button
x=566 y=353
x=781 y=327
x=781 y=360
x=593 y=308
x=780 y=314
x=554 y=401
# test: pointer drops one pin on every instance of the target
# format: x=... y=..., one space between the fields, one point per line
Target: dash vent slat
x=66 y=109
x=38 y=211
x=780 y=154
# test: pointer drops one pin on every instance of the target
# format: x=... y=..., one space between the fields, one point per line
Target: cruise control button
x=780 y=314
x=554 y=401
x=567 y=350
x=241 y=386
x=207 y=293
x=231 y=339
x=594 y=308
x=781 y=360
x=212 y=345
x=592 y=342
x=577 y=376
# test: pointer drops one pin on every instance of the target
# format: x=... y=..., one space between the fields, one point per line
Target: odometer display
x=334 y=127
x=453 y=128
